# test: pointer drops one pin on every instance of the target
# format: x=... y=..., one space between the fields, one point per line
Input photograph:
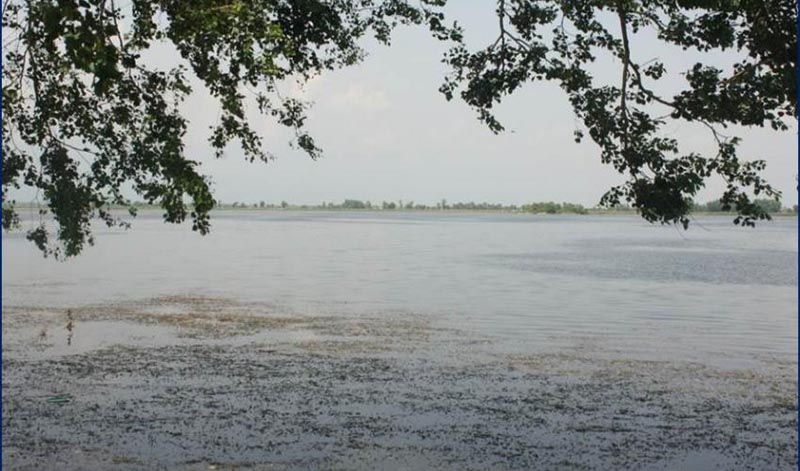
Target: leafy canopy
x=86 y=117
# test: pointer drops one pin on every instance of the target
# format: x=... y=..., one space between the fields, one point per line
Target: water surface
x=717 y=292
x=334 y=340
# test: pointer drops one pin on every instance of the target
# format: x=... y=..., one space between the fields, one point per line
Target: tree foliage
x=558 y=41
x=87 y=117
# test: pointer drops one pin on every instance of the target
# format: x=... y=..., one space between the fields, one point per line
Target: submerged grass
x=358 y=392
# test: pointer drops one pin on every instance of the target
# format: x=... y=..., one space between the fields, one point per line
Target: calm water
x=718 y=293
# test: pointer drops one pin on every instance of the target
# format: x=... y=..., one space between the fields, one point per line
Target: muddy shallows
x=198 y=383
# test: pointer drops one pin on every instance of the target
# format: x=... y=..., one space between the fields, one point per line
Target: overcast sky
x=388 y=134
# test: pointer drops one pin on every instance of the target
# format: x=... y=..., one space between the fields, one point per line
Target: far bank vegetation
x=542 y=207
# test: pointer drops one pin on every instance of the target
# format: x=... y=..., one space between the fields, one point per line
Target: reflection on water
x=70 y=326
x=689 y=261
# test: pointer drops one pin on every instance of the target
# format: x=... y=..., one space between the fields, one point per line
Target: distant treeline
x=543 y=207
x=548 y=207
x=554 y=208
x=351 y=204
x=768 y=205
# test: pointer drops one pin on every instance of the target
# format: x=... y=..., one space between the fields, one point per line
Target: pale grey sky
x=388 y=134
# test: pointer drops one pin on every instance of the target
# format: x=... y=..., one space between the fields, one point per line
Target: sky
x=388 y=134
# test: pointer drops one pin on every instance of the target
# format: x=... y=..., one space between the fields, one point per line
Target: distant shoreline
x=588 y=211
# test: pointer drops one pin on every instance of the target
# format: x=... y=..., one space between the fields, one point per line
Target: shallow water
x=423 y=340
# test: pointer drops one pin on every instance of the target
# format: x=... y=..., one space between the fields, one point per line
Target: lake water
x=366 y=340
x=716 y=293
